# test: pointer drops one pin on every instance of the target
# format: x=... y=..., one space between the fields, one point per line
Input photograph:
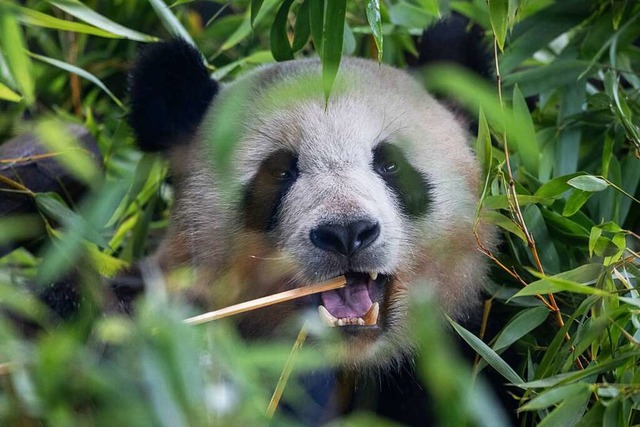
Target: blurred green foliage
x=565 y=195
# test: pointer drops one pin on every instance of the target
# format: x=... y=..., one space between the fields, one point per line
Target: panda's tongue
x=349 y=302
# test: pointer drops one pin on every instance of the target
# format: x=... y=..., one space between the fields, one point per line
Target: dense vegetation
x=558 y=139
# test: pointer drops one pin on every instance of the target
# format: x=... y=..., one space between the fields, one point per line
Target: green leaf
x=490 y=356
x=594 y=235
x=522 y=323
x=244 y=29
x=567 y=147
x=554 y=395
x=13 y=45
x=409 y=16
x=9 y=95
x=555 y=187
x=504 y=222
x=316 y=23
x=349 y=40
x=588 y=183
x=54 y=207
x=545 y=79
x=86 y=14
x=169 y=21
x=499 y=16
x=279 y=38
x=525 y=141
x=332 y=38
x=302 y=29
x=37 y=19
x=375 y=22
x=483 y=144
x=501 y=202
x=569 y=412
x=565 y=282
x=255 y=8
x=575 y=201
x=82 y=73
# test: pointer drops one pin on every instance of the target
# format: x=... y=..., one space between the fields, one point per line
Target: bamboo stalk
x=329 y=285
x=286 y=372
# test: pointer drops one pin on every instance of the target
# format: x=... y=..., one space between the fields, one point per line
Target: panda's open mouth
x=357 y=304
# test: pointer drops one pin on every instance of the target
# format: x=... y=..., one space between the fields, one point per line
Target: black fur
x=170 y=91
x=265 y=192
x=411 y=187
x=455 y=40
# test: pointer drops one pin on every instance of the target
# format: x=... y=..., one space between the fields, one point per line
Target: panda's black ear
x=455 y=40
x=170 y=91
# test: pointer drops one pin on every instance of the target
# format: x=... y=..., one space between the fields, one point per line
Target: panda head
x=277 y=188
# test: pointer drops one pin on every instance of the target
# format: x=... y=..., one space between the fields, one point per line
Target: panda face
x=377 y=184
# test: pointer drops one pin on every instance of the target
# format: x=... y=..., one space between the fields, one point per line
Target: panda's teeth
x=371 y=316
x=373 y=275
x=326 y=317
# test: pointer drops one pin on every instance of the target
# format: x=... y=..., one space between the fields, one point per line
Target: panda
x=278 y=187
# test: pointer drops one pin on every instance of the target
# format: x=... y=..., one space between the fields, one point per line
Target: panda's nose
x=347 y=239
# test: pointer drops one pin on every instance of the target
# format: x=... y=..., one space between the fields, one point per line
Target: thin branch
x=338 y=282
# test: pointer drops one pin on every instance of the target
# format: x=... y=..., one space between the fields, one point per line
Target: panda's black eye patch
x=410 y=186
x=264 y=193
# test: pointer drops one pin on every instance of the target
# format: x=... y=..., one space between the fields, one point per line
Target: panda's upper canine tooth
x=326 y=317
x=373 y=275
x=371 y=316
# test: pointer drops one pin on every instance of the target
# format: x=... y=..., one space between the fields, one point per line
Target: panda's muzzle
x=357 y=304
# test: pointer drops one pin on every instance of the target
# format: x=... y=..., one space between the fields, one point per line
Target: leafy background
x=558 y=140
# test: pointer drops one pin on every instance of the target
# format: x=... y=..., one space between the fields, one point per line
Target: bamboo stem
x=232 y=310
x=286 y=372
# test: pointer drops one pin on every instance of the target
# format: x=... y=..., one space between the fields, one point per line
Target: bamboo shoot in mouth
x=291 y=294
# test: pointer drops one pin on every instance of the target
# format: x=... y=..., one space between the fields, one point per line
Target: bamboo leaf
x=502 y=202
x=504 y=222
x=522 y=323
x=316 y=23
x=9 y=95
x=556 y=187
x=575 y=201
x=279 y=39
x=554 y=396
x=525 y=141
x=499 y=16
x=82 y=73
x=84 y=13
x=569 y=412
x=588 y=183
x=483 y=144
x=490 y=356
x=73 y=156
x=255 y=8
x=54 y=207
x=34 y=18
x=14 y=48
x=169 y=20
x=409 y=16
x=332 y=39
x=594 y=235
x=375 y=22
x=302 y=30
x=554 y=284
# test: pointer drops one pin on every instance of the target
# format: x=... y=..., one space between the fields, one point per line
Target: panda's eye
x=281 y=174
x=282 y=166
x=387 y=159
x=388 y=168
